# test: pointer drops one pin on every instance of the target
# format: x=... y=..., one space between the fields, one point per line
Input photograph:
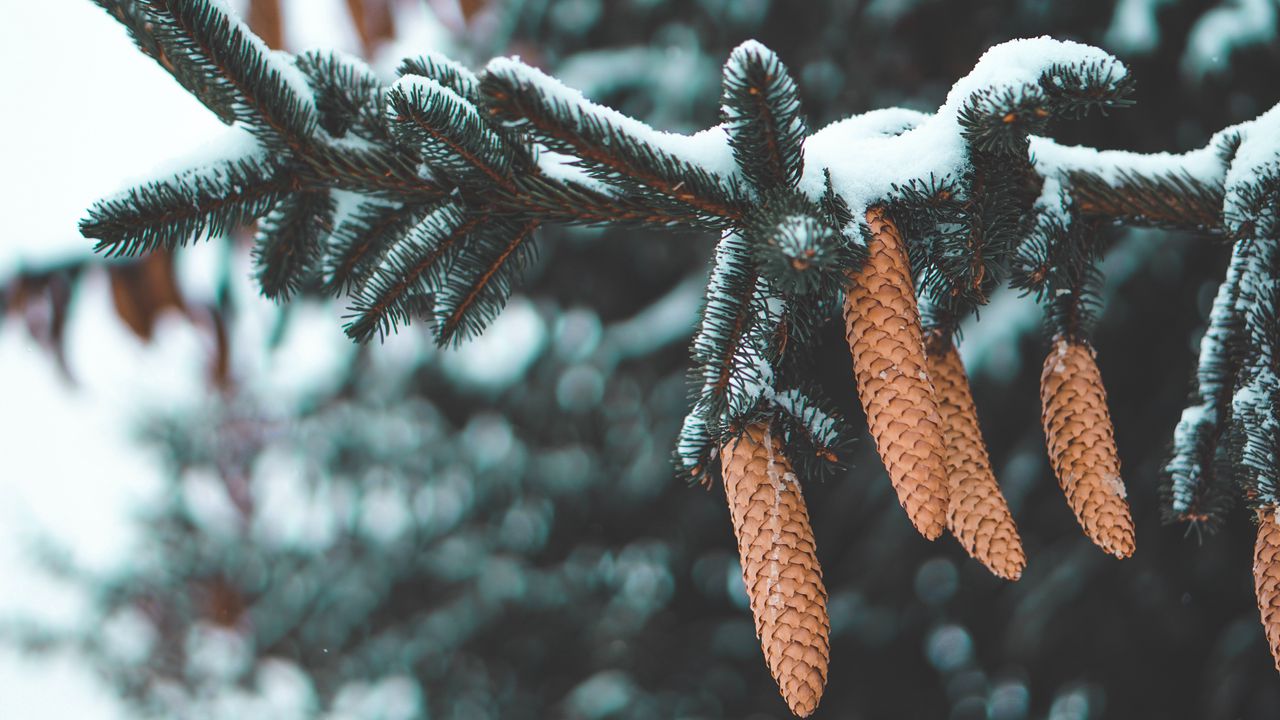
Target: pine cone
x=882 y=326
x=1266 y=577
x=1082 y=445
x=977 y=513
x=779 y=565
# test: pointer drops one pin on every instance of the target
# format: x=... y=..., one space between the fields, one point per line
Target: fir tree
x=911 y=220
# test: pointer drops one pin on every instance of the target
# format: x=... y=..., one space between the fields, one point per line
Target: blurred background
x=213 y=507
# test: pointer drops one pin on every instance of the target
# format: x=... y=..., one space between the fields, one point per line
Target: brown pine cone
x=1266 y=577
x=977 y=513
x=1082 y=445
x=882 y=326
x=779 y=565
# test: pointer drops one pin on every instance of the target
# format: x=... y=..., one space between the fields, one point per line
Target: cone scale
x=779 y=565
x=977 y=513
x=882 y=327
x=1266 y=577
x=1082 y=446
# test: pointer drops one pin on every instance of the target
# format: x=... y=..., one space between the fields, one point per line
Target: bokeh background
x=213 y=507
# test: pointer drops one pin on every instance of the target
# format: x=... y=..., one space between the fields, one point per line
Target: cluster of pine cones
x=920 y=412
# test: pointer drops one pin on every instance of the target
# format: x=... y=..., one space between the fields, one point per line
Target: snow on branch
x=421 y=199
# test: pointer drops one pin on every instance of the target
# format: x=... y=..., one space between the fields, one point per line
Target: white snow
x=737 y=58
x=1052 y=159
x=820 y=424
x=708 y=149
x=692 y=440
x=1192 y=417
x=564 y=168
x=865 y=162
x=1259 y=153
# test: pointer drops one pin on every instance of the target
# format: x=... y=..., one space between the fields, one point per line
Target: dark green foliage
x=1196 y=489
x=169 y=213
x=795 y=247
x=289 y=243
x=376 y=170
x=486 y=651
x=729 y=362
x=606 y=144
x=444 y=71
x=480 y=278
x=347 y=94
x=1169 y=201
x=411 y=269
x=761 y=109
x=1073 y=91
x=571 y=201
x=494 y=157
x=1253 y=205
x=1057 y=264
x=362 y=237
x=998 y=120
x=696 y=450
x=448 y=132
x=836 y=208
x=238 y=70
x=1255 y=431
x=815 y=435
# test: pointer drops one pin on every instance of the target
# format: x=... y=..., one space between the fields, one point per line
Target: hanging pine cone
x=882 y=326
x=1082 y=445
x=1266 y=577
x=977 y=513
x=779 y=565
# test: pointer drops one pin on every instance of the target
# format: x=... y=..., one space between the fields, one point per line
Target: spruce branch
x=360 y=240
x=1177 y=201
x=449 y=133
x=290 y=240
x=141 y=25
x=413 y=267
x=814 y=433
x=1194 y=491
x=732 y=365
x=348 y=94
x=761 y=111
x=481 y=278
x=900 y=217
x=796 y=247
x=1255 y=402
x=444 y=71
x=696 y=449
x=615 y=148
x=169 y=213
x=258 y=84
